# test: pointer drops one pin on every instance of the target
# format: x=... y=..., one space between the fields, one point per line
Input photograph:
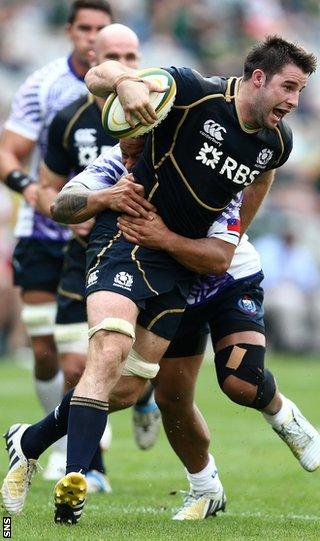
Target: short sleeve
x=57 y=157
x=227 y=226
x=25 y=117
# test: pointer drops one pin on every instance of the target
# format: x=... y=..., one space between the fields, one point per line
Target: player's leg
x=146 y=419
x=38 y=314
x=184 y=424
x=37 y=267
x=111 y=319
x=71 y=336
x=241 y=372
x=25 y=443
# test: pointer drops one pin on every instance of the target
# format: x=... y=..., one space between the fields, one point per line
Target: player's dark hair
x=272 y=54
x=99 y=5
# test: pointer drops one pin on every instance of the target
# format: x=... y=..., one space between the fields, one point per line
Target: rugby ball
x=113 y=120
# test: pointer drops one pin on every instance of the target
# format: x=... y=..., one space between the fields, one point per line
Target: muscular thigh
x=150 y=279
x=177 y=377
x=103 y=304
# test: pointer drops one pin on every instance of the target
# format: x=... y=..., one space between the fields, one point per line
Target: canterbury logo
x=215 y=130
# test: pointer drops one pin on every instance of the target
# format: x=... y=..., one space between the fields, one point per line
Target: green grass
x=269 y=496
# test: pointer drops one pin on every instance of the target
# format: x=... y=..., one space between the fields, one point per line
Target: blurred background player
x=38 y=255
x=75 y=139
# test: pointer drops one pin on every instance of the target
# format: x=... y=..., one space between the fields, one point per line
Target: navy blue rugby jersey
x=76 y=137
x=201 y=155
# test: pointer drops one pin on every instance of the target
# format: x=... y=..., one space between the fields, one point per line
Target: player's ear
x=258 y=78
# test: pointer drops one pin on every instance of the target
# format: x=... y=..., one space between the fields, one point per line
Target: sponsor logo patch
x=92 y=278
x=209 y=155
x=213 y=131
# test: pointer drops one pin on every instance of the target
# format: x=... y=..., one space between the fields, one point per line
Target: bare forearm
x=204 y=256
x=75 y=206
x=101 y=79
x=253 y=198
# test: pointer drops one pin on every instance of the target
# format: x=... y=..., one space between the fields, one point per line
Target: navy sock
x=97 y=461
x=38 y=437
x=87 y=421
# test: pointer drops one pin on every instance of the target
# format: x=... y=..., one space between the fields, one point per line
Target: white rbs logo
x=209 y=155
x=215 y=130
x=124 y=280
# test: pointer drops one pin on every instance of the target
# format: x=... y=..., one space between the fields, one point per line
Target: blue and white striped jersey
x=41 y=96
x=105 y=171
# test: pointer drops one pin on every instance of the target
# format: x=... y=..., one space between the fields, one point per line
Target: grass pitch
x=269 y=496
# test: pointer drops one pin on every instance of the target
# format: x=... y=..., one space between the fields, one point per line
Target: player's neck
x=80 y=68
x=244 y=107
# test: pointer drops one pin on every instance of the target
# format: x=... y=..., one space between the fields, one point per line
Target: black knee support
x=265 y=392
x=246 y=362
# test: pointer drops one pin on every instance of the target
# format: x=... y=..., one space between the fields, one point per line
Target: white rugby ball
x=113 y=120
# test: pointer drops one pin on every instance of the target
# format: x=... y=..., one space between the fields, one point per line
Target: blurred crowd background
x=212 y=36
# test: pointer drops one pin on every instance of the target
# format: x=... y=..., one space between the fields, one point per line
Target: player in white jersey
x=38 y=255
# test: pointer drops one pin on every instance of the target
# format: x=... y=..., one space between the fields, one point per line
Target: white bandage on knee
x=136 y=365
x=72 y=338
x=39 y=319
x=114 y=324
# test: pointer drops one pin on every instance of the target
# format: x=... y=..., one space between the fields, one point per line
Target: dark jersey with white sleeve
x=202 y=155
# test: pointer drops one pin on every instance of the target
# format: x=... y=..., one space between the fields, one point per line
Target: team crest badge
x=247 y=305
x=124 y=280
x=264 y=157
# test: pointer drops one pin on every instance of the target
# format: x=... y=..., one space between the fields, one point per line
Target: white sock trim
x=283 y=416
x=206 y=480
x=50 y=392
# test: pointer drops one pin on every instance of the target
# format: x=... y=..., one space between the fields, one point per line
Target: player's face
x=279 y=96
x=122 y=48
x=131 y=149
x=83 y=32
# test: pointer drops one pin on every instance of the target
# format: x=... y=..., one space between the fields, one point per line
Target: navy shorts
x=236 y=308
x=37 y=264
x=153 y=280
x=71 y=289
